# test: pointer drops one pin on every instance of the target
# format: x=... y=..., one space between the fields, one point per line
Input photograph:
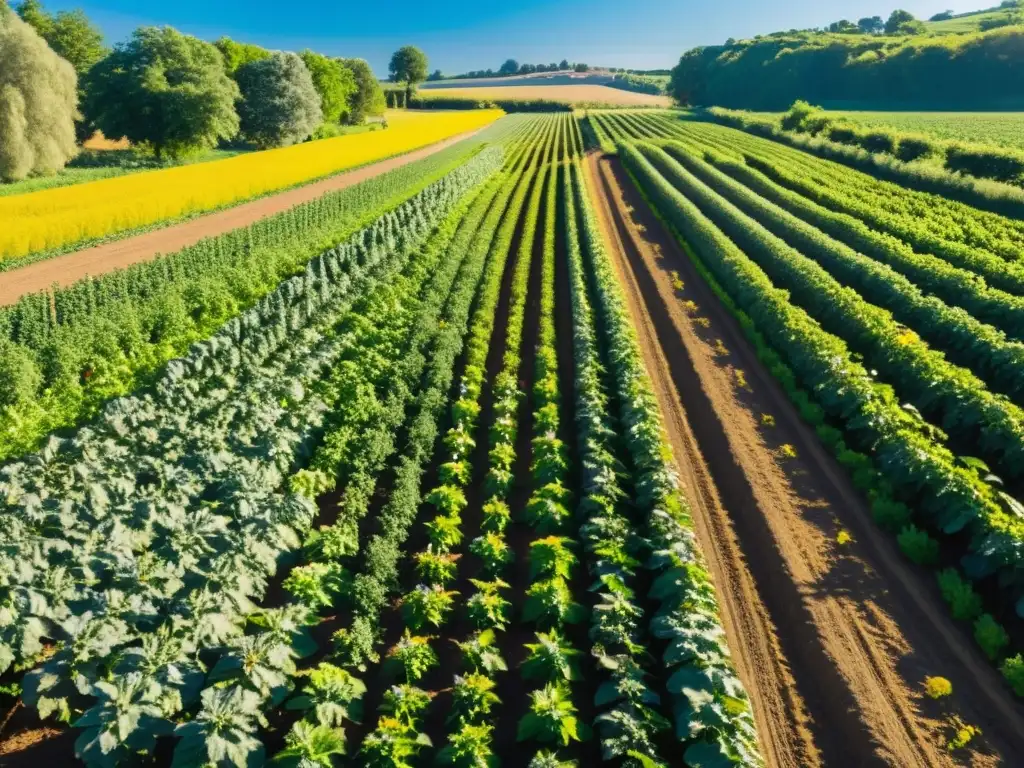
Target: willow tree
x=38 y=102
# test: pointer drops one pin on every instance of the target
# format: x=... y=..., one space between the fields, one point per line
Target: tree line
x=167 y=92
x=871 y=64
x=512 y=67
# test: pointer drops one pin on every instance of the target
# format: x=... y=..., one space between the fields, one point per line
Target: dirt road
x=833 y=640
x=66 y=269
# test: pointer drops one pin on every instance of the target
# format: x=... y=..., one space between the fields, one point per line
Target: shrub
x=987 y=162
x=913 y=148
x=889 y=513
x=1013 y=671
x=879 y=141
x=38 y=102
x=964 y=602
x=990 y=636
x=918 y=545
x=937 y=687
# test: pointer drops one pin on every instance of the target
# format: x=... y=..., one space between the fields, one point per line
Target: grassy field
x=575 y=94
x=965 y=23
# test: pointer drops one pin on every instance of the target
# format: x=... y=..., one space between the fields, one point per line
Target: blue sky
x=461 y=35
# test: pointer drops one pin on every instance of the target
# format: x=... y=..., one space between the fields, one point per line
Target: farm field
x=605 y=437
x=1003 y=128
x=571 y=94
x=57 y=218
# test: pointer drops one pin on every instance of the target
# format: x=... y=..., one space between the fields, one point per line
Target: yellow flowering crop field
x=54 y=218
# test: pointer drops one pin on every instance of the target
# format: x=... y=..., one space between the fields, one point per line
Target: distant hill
x=946 y=64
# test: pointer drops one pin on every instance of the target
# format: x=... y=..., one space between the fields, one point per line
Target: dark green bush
x=918 y=546
x=986 y=162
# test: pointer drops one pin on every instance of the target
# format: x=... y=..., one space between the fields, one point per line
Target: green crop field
x=1003 y=128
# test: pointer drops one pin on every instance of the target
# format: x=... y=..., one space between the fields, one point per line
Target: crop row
x=166 y=517
x=64 y=354
x=908 y=468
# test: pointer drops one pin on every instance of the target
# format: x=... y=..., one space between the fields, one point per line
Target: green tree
x=69 y=33
x=408 y=65
x=280 y=105
x=334 y=83
x=237 y=54
x=435 y=75
x=896 y=19
x=72 y=37
x=165 y=90
x=871 y=25
x=368 y=98
x=581 y=67
x=563 y=64
x=38 y=102
x=510 y=67
x=844 y=27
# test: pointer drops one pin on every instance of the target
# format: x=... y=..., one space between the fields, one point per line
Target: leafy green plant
x=331 y=696
x=552 y=557
x=547 y=511
x=473 y=698
x=224 y=731
x=552 y=717
x=493 y=550
x=1013 y=671
x=436 y=567
x=127 y=718
x=445 y=532
x=548 y=759
x=454 y=473
x=447 y=499
x=550 y=602
x=487 y=609
x=551 y=658
x=317 y=584
x=964 y=602
x=991 y=636
x=470 y=747
x=333 y=542
x=549 y=462
x=428 y=605
x=481 y=654
x=311 y=746
x=918 y=546
x=496 y=516
x=406 y=703
x=392 y=745
x=414 y=655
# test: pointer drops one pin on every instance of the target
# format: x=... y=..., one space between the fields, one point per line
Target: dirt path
x=833 y=641
x=71 y=267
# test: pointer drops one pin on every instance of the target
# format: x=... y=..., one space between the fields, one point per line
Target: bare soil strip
x=832 y=640
x=71 y=267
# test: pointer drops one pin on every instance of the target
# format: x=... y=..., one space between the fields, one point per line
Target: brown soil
x=69 y=268
x=832 y=641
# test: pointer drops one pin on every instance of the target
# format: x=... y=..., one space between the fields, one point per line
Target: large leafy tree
x=236 y=54
x=165 y=90
x=69 y=33
x=898 y=19
x=408 y=65
x=38 y=102
x=871 y=25
x=280 y=105
x=510 y=67
x=334 y=83
x=368 y=98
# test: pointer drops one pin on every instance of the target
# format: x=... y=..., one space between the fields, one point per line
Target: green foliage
x=473 y=698
x=470 y=747
x=335 y=84
x=166 y=90
x=70 y=34
x=427 y=605
x=280 y=105
x=437 y=568
x=331 y=696
x=318 y=584
x=904 y=69
x=238 y=54
x=37 y=103
x=991 y=636
x=918 y=546
x=493 y=551
x=223 y=733
x=408 y=65
x=414 y=655
x=551 y=658
x=551 y=717
x=964 y=602
x=552 y=557
x=488 y=608
x=496 y=516
x=481 y=653
x=1013 y=670
x=368 y=98
x=309 y=745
